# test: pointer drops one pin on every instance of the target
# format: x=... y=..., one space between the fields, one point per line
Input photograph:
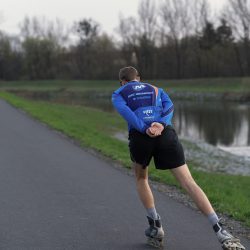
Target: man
x=148 y=111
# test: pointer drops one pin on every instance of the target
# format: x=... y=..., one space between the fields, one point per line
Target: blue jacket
x=140 y=104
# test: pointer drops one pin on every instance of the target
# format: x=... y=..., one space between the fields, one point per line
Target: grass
x=72 y=85
x=93 y=128
x=212 y=85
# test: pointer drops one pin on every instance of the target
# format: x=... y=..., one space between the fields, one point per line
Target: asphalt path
x=56 y=195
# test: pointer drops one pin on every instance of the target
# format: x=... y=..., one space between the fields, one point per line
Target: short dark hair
x=128 y=73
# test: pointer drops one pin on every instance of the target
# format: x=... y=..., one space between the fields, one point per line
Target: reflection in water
x=218 y=123
x=242 y=137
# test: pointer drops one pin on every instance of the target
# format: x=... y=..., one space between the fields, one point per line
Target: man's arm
x=166 y=116
x=123 y=109
x=168 y=109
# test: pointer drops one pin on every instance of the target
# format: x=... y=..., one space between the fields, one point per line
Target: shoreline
x=211 y=96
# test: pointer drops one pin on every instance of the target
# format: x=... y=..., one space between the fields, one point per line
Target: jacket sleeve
x=168 y=108
x=124 y=110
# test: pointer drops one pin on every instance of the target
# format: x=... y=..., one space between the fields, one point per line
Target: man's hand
x=148 y=132
x=155 y=129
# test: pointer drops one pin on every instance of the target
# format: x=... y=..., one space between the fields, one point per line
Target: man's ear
x=123 y=82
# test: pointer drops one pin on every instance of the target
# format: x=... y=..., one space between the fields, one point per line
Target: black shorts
x=166 y=149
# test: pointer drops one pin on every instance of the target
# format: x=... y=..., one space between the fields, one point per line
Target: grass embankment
x=211 y=85
x=94 y=129
x=51 y=85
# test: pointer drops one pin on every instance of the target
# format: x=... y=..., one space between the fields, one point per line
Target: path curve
x=56 y=196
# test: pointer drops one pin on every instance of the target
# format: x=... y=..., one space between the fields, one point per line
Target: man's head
x=128 y=74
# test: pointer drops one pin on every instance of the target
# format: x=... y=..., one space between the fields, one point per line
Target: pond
x=223 y=124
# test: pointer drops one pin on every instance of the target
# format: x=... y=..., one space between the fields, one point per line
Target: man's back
x=147 y=102
x=138 y=94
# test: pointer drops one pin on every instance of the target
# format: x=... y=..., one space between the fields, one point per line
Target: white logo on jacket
x=148 y=112
x=138 y=87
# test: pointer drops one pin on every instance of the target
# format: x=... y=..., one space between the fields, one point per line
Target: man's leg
x=155 y=231
x=184 y=177
x=143 y=187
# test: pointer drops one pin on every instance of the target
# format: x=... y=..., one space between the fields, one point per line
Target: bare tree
x=201 y=14
x=147 y=23
x=237 y=15
x=43 y=43
x=182 y=23
x=139 y=36
x=58 y=32
x=176 y=17
x=30 y=27
x=147 y=35
x=201 y=18
x=41 y=28
x=127 y=29
x=176 y=21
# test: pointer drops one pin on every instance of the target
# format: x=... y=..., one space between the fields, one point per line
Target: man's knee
x=141 y=173
x=141 y=177
x=184 y=177
x=188 y=183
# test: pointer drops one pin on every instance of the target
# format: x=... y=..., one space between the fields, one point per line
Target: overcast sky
x=106 y=12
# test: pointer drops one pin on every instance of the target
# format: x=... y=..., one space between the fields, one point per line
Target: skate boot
x=155 y=233
x=228 y=241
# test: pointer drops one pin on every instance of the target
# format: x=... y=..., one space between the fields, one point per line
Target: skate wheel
x=232 y=245
x=154 y=242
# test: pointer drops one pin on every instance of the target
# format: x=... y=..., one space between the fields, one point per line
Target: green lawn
x=94 y=129
x=44 y=85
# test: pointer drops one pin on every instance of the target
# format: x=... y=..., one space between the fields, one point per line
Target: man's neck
x=123 y=83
